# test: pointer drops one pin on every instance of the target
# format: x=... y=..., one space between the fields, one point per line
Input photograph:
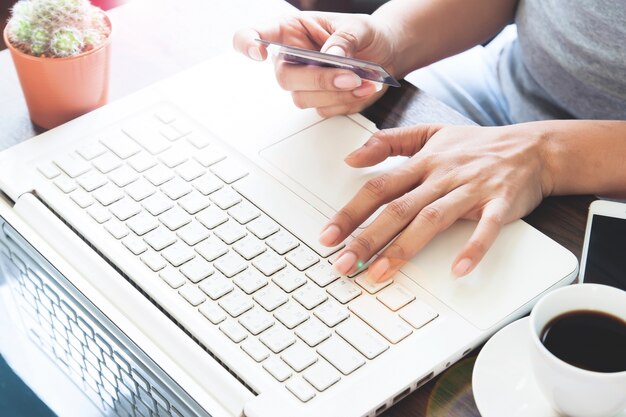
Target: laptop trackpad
x=314 y=158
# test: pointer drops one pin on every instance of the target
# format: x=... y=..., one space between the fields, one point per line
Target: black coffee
x=587 y=339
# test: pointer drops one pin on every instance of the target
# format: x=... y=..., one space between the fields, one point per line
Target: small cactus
x=56 y=28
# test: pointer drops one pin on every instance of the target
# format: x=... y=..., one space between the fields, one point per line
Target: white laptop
x=180 y=270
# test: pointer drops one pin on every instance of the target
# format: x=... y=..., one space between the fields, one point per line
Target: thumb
x=348 y=38
x=404 y=141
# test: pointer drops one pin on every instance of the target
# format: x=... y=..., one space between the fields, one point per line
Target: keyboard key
x=89 y=152
x=395 y=296
x=212 y=312
x=120 y=145
x=196 y=270
x=230 y=232
x=250 y=280
x=140 y=189
x=124 y=208
x=123 y=176
x=147 y=137
x=269 y=263
x=194 y=202
x=255 y=349
x=106 y=162
x=135 y=244
x=341 y=355
x=142 y=223
x=82 y=198
x=99 y=213
x=176 y=188
x=116 y=228
x=244 y=212
x=270 y=297
x=300 y=388
x=302 y=258
x=322 y=274
x=370 y=287
x=277 y=339
x=192 y=294
x=207 y=184
x=49 y=171
x=249 y=247
x=173 y=157
x=282 y=242
x=193 y=233
x=230 y=264
x=344 y=290
x=160 y=238
x=165 y=115
x=142 y=162
x=190 y=170
x=172 y=277
x=216 y=286
x=153 y=261
x=321 y=375
x=362 y=338
x=236 y=303
x=380 y=318
x=198 y=140
x=418 y=314
x=175 y=218
x=331 y=313
x=262 y=227
x=65 y=184
x=225 y=198
x=291 y=315
x=235 y=331
x=211 y=217
x=158 y=175
x=312 y=332
x=256 y=321
x=171 y=133
x=277 y=368
x=299 y=356
x=108 y=194
x=91 y=180
x=310 y=296
x=211 y=248
x=208 y=156
x=157 y=204
x=229 y=171
x=289 y=279
x=71 y=165
x=178 y=253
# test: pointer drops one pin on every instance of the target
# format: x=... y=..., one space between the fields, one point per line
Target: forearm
x=585 y=156
x=426 y=31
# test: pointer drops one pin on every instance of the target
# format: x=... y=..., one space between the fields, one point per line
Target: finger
x=430 y=221
x=391 y=221
x=348 y=38
x=295 y=77
x=376 y=192
x=318 y=99
x=245 y=42
x=484 y=235
x=406 y=141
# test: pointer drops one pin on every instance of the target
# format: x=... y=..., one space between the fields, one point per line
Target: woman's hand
x=493 y=175
x=330 y=91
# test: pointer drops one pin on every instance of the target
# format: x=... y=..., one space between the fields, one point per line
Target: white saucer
x=503 y=381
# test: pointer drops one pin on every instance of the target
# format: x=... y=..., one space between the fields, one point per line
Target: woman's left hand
x=491 y=174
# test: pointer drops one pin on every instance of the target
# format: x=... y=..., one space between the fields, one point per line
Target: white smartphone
x=604 y=251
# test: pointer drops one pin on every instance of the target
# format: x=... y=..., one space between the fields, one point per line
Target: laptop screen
x=606 y=254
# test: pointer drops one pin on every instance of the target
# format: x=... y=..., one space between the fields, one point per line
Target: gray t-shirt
x=569 y=61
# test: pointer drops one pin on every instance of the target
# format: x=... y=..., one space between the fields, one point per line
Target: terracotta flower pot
x=59 y=89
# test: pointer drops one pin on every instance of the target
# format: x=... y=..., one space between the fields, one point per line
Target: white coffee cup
x=574 y=391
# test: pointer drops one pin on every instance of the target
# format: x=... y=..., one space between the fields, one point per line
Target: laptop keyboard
x=168 y=193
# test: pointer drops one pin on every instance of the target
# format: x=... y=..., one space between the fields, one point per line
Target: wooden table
x=157 y=38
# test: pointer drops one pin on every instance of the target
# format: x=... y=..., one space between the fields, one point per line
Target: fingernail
x=344 y=264
x=462 y=267
x=365 y=90
x=347 y=81
x=254 y=53
x=329 y=235
x=336 y=50
x=377 y=270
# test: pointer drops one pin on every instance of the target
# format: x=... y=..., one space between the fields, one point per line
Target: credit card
x=365 y=69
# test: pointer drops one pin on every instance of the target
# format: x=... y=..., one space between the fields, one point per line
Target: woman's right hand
x=330 y=91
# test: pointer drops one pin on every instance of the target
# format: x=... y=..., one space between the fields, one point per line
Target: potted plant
x=61 y=50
